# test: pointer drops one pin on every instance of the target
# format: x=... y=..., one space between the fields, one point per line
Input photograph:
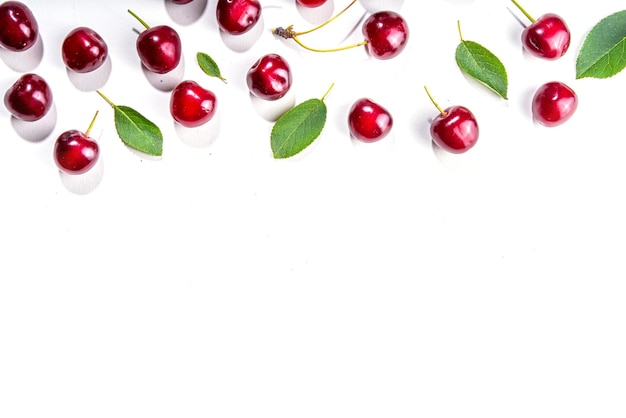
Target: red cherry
x=554 y=103
x=368 y=121
x=75 y=152
x=159 y=47
x=386 y=34
x=454 y=129
x=269 y=77
x=191 y=105
x=311 y=3
x=237 y=16
x=18 y=27
x=83 y=50
x=29 y=98
x=546 y=37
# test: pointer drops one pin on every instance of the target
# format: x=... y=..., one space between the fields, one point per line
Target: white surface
x=351 y=281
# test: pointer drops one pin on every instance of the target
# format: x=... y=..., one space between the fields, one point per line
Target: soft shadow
x=185 y=14
x=168 y=81
x=244 y=41
x=317 y=15
x=92 y=80
x=85 y=183
x=271 y=110
x=37 y=130
x=374 y=6
x=23 y=61
x=200 y=136
x=374 y=150
x=466 y=162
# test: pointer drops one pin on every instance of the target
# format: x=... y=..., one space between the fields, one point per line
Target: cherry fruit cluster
x=159 y=48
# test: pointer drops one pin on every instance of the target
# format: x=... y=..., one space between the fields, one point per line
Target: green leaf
x=481 y=64
x=603 y=52
x=138 y=132
x=297 y=128
x=209 y=66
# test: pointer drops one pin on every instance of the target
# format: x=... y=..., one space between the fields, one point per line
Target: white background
x=350 y=281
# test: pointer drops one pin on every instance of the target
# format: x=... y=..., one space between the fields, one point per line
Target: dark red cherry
x=368 y=121
x=311 y=3
x=554 y=103
x=29 y=98
x=18 y=27
x=192 y=105
x=237 y=16
x=75 y=152
x=546 y=37
x=386 y=33
x=159 y=47
x=454 y=129
x=83 y=50
x=269 y=77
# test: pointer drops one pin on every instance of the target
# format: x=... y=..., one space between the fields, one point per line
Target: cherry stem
x=458 y=24
x=139 y=19
x=341 y=48
x=532 y=20
x=327 y=91
x=106 y=99
x=327 y=22
x=443 y=113
x=91 y=124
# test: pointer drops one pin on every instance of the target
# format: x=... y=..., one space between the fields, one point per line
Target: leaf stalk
x=328 y=91
x=106 y=99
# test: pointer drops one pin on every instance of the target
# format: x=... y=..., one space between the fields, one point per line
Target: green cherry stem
x=289 y=33
x=443 y=112
x=139 y=19
x=532 y=19
x=93 y=120
x=327 y=22
x=458 y=25
x=341 y=48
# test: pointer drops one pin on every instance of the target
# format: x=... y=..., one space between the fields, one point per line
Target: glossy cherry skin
x=386 y=33
x=548 y=37
x=455 y=130
x=237 y=16
x=75 y=152
x=311 y=3
x=18 y=26
x=554 y=103
x=269 y=77
x=159 y=49
x=368 y=121
x=29 y=98
x=83 y=50
x=192 y=105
